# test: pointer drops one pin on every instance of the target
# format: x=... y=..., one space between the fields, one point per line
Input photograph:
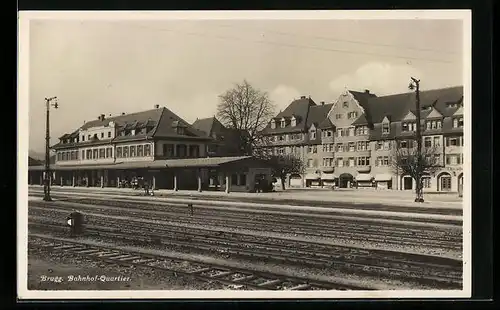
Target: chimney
x=367 y=91
x=102 y=117
x=322 y=103
x=157 y=106
x=123 y=113
x=302 y=97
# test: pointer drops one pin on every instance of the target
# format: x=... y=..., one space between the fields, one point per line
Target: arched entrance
x=444 y=182
x=345 y=180
x=460 y=183
x=406 y=182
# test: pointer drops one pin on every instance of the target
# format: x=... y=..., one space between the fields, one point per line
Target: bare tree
x=283 y=165
x=409 y=161
x=246 y=109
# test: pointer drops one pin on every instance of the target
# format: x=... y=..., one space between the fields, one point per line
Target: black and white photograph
x=244 y=154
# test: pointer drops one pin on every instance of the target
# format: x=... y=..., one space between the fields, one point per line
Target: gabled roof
x=361 y=120
x=317 y=114
x=326 y=124
x=127 y=119
x=205 y=124
x=298 y=108
x=399 y=105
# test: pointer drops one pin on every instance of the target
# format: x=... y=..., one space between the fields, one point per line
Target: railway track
x=234 y=277
x=435 y=271
x=308 y=227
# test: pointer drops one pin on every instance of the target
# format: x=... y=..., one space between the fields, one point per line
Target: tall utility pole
x=415 y=84
x=48 y=175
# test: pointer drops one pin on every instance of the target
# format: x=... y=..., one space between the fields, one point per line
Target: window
x=309 y=163
x=351 y=132
x=95 y=153
x=340 y=162
x=313 y=134
x=362 y=145
x=351 y=115
x=83 y=154
x=329 y=133
x=436 y=141
x=385 y=128
x=147 y=150
x=102 y=153
x=125 y=151
x=352 y=147
x=89 y=154
x=426 y=182
x=403 y=144
x=132 y=151
x=363 y=161
x=404 y=127
x=325 y=147
x=340 y=147
x=281 y=151
x=89 y=137
x=382 y=161
x=83 y=138
x=352 y=162
x=109 y=134
x=345 y=104
x=428 y=142
x=273 y=124
x=283 y=124
x=453 y=141
x=379 y=145
x=330 y=147
x=59 y=156
x=102 y=135
x=338 y=116
x=108 y=155
x=428 y=125
x=458 y=122
x=387 y=145
x=77 y=153
x=315 y=149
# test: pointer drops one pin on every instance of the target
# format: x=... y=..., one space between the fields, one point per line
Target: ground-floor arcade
x=217 y=173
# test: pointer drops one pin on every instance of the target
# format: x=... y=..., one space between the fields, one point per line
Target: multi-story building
x=360 y=132
x=296 y=131
x=155 y=144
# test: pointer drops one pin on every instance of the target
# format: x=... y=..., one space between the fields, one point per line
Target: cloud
x=379 y=78
x=282 y=95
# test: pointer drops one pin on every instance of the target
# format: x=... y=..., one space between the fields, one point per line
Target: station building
x=349 y=143
x=158 y=146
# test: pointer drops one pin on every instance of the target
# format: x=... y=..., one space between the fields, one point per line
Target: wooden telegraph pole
x=48 y=175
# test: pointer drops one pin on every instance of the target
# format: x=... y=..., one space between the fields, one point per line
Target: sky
x=112 y=66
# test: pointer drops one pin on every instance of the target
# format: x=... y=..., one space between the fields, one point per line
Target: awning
x=312 y=176
x=328 y=176
x=364 y=177
x=383 y=177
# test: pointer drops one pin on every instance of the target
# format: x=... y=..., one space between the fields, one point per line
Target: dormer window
x=458 y=122
x=385 y=128
x=132 y=132
x=181 y=131
x=312 y=134
x=409 y=126
x=293 y=122
x=283 y=123
x=273 y=124
x=345 y=104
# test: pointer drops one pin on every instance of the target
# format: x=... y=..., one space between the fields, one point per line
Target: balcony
x=363 y=169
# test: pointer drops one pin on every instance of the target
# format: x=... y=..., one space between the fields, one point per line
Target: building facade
x=353 y=143
x=155 y=145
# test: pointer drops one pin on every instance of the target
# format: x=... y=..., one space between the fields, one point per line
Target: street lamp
x=415 y=85
x=48 y=176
